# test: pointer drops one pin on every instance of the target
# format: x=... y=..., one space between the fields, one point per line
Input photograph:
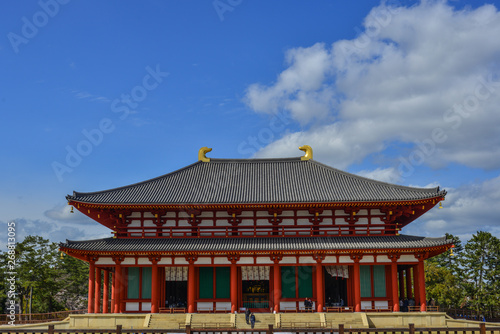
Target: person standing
x=247 y=315
x=252 y=320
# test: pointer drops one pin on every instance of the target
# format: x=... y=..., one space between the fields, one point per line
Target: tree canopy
x=469 y=279
x=53 y=282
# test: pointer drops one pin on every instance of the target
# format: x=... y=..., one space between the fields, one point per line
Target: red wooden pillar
x=97 y=301
x=416 y=285
x=320 y=290
x=113 y=294
x=118 y=284
x=154 y=285
x=105 y=292
x=421 y=284
x=409 y=293
x=401 y=284
x=90 y=303
x=191 y=293
x=394 y=281
x=357 y=284
x=234 y=287
x=276 y=286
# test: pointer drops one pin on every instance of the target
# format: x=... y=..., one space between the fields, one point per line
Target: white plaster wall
x=105 y=260
x=407 y=258
x=289 y=259
x=165 y=260
x=221 y=260
x=381 y=304
x=362 y=220
x=222 y=222
x=128 y=260
x=340 y=213
x=264 y=260
x=204 y=260
x=246 y=222
x=330 y=259
x=285 y=305
x=345 y=259
x=246 y=260
x=367 y=258
x=306 y=259
x=340 y=221
x=143 y=260
x=246 y=214
x=223 y=305
x=366 y=304
x=222 y=214
x=132 y=306
x=383 y=259
x=134 y=223
x=205 y=305
x=146 y=306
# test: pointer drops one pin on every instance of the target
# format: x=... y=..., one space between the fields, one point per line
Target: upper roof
x=256 y=181
x=346 y=243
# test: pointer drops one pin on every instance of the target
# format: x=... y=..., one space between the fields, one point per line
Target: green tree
x=49 y=281
x=38 y=273
x=480 y=267
x=74 y=279
x=443 y=285
x=446 y=260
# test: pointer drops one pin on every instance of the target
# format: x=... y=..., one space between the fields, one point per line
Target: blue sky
x=96 y=95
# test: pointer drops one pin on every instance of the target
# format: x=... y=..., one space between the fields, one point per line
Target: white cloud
x=63 y=213
x=426 y=74
x=466 y=210
x=55 y=232
x=390 y=175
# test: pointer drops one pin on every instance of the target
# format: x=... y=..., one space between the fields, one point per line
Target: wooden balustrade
x=305 y=327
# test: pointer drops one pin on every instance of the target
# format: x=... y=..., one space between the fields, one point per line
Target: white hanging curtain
x=176 y=273
x=338 y=271
x=255 y=273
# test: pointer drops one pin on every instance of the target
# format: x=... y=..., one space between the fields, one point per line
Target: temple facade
x=265 y=234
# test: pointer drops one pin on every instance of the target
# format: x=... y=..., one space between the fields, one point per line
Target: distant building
x=264 y=234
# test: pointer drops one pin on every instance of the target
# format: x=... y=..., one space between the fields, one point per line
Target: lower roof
x=168 y=245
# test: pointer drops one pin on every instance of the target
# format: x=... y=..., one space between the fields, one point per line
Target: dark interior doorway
x=335 y=291
x=255 y=294
x=175 y=293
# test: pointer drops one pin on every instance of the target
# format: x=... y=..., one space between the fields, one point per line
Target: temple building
x=265 y=234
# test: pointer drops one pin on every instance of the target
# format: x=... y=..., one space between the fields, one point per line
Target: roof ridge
x=134 y=184
x=373 y=180
x=243 y=181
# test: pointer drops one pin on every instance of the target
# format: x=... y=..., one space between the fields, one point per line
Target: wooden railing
x=254 y=231
x=304 y=327
x=256 y=304
x=31 y=318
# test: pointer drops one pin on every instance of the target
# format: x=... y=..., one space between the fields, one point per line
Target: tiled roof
x=254 y=244
x=256 y=181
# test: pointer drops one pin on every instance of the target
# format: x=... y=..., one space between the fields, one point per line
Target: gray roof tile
x=254 y=244
x=256 y=181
